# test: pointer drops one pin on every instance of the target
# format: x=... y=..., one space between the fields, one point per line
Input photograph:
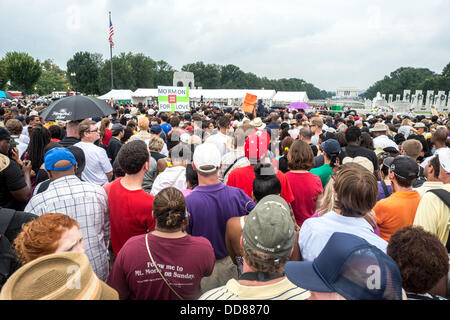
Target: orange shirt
x=395 y=212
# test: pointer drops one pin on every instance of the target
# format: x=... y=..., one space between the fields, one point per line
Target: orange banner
x=249 y=103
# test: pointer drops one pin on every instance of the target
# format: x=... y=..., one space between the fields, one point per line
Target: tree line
x=90 y=74
x=410 y=78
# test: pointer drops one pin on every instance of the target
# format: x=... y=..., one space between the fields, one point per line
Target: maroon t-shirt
x=183 y=262
x=306 y=187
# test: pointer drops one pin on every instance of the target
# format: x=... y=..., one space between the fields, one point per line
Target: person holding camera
x=15 y=181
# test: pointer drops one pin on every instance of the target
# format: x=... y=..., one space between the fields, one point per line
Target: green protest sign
x=173 y=99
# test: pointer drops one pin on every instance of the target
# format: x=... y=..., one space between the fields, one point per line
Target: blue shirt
x=166 y=127
x=210 y=208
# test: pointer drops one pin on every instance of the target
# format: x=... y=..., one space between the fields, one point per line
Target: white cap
x=34 y=113
x=151 y=112
x=444 y=158
x=207 y=154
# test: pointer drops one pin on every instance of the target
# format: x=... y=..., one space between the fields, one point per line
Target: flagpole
x=111 y=61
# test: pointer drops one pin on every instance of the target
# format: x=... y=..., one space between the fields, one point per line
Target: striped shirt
x=88 y=204
x=233 y=290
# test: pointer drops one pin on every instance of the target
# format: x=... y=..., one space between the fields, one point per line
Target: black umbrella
x=77 y=108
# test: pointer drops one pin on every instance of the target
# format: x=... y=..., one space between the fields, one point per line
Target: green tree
x=85 y=67
x=206 y=76
x=143 y=69
x=53 y=78
x=163 y=74
x=122 y=74
x=3 y=75
x=399 y=80
x=22 y=70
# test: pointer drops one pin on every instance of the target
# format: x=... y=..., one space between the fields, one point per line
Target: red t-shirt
x=306 y=188
x=130 y=214
x=183 y=262
x=242 y=178
x=107 y=137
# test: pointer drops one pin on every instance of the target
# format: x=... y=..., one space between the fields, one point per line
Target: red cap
x=256 y=144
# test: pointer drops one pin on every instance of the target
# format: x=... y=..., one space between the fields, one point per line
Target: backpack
x=8 y=261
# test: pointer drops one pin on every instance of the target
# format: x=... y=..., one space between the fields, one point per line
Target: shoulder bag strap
x=444 y=195
x=157 y=269
x=385 y=189
x=232 y=165
x=178 y=175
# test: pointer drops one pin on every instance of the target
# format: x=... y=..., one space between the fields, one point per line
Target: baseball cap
x=403 y=166
x=207 y=154
x=444 y=159
x=58 y=154
x=155 y=128
x=350 y=266
x=58 y=276
x=34 y=113
x=269 y=228
x=331 y=146
x=117 y=126
x=151 y=112
x=4 y=134
x=363 y=161
x=257 y=144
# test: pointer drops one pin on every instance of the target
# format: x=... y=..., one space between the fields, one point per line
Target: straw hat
x=258 y=124
x=58 y=276
x=379 y=127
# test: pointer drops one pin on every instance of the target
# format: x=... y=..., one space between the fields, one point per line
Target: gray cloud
x=328 y=43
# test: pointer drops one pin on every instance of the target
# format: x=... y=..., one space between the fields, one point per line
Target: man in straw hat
x=381 y=140
x=58 y=276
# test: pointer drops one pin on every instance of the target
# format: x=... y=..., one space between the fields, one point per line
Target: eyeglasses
x=92 y=130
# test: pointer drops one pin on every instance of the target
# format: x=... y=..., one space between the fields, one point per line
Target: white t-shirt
x=384 y=142
x=97 y=163
x=220 y=140
x=170 y=177
x=315 y=233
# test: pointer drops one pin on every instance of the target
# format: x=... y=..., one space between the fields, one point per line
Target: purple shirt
x=381 y=194
x=211 y=207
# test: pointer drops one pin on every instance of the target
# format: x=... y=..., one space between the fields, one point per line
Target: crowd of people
x=219 y=204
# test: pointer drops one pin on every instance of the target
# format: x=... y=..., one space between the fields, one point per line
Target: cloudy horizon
x=330 y=44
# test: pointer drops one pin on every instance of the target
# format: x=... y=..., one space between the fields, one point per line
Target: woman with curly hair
x=423 y=262
x=50 y=233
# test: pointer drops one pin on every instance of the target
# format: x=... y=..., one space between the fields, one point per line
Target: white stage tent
x=144 y=96
x=287 y=97
x=117 y=95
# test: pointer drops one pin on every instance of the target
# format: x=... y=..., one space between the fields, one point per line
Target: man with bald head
x=83 y=201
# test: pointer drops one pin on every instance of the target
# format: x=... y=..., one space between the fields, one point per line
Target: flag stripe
x=111 y=33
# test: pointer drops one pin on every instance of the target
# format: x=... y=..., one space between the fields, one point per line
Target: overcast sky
x=330 y=43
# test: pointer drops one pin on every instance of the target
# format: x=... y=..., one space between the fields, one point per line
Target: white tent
x=290 y=96
x=144 y=96
x=117 y=95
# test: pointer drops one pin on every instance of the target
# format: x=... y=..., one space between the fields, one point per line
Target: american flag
x=111 y=33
